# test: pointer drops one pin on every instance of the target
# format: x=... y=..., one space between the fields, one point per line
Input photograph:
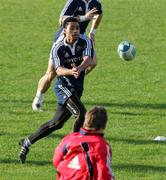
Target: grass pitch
x=134 y=92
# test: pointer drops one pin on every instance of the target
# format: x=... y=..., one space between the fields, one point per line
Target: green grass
x=134 y=93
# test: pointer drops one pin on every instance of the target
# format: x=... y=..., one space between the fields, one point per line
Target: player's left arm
x=85 y=63
x=87 y=55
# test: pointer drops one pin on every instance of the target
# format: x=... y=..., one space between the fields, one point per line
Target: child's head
x=95 y=118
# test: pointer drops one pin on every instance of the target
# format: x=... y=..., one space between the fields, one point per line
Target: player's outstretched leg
x=61 y=116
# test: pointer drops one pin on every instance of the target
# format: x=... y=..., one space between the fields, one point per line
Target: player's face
x=72 y=31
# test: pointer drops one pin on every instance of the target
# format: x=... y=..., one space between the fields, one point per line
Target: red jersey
x=83 y=155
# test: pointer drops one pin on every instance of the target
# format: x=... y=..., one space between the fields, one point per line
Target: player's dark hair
x=96 y=118
x=69 y=19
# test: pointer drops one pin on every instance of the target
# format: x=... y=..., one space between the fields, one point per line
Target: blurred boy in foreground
x=85 y=155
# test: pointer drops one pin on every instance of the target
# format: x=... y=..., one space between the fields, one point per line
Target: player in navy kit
x=70 y=57
x=85 y=11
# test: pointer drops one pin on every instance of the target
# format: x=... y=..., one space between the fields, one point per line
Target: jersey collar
x=72 y=47
x=88 y=132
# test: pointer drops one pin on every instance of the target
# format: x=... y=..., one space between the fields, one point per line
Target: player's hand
x=92 y=37
x=90 y=14
x=75 y=71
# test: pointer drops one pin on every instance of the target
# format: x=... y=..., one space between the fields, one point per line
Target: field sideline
x=134 y=93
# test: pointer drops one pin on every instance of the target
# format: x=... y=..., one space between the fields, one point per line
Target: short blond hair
x=95 y=118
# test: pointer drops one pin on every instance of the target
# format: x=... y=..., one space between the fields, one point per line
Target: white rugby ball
x=126 y=50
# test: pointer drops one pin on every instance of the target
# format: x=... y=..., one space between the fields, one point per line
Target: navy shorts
x=63 y=93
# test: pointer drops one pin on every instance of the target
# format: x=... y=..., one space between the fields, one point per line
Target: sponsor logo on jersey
x=74 y=163
x=80 y=9
x=73 y=60
x=78 y=48
x=66 y=55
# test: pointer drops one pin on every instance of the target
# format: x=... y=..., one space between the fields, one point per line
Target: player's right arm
x=61 y=71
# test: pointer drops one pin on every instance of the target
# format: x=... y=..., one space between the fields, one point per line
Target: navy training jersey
x=79 y=8
x=62 y=54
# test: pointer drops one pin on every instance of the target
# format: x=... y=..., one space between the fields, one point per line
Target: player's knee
x=79 y=115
